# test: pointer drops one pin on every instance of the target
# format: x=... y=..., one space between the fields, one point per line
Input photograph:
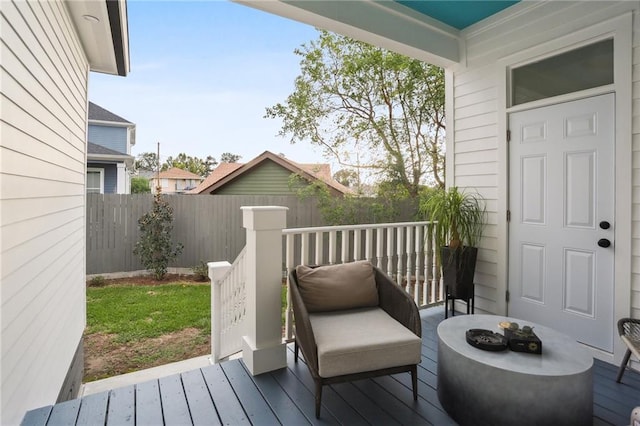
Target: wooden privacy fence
x=209 y=226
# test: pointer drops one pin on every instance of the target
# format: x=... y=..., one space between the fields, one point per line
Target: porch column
x=262 y=347
x=121 y=180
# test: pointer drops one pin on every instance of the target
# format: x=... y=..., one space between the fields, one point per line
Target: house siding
x=479 y=154
x=114 y=138
x=266 y=179
x=44 y=78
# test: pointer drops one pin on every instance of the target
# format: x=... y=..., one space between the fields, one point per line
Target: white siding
x=44 y=77
x=635 y=123
x=479 y=152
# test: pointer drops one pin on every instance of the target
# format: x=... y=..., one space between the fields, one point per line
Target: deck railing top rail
x=353 y=227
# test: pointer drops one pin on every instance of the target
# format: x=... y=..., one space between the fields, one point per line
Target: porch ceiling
x=458 y=13
x=429 y=30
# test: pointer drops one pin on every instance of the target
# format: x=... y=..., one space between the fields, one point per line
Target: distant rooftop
x=176 y=173
x=96 y=112
x=93 y=148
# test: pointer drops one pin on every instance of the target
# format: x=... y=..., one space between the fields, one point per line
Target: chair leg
x=414 y=381
x=295 y=350
x=623 y=366
x=473 y=301
x=446 y=303
x=318 y=397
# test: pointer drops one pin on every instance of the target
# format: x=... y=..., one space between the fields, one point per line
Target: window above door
x=580 y=69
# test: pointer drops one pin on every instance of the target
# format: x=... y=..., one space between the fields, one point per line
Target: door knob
x=603 y=242
x=605 y=225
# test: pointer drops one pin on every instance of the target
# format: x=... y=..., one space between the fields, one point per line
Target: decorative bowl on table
x=486 y=340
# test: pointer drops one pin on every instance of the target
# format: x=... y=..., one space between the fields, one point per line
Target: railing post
x=216 y=272
x=262 y=347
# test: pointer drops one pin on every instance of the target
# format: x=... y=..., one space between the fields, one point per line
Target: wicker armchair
x=339 y=343
x=629 y=330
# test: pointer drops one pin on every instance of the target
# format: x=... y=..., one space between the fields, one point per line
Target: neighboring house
x=543 y=119
x=175 y=181
x=267 y=174
x=48 y=49
x=109 y=159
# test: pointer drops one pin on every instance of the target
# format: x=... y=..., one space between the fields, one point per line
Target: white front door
x=561 y=193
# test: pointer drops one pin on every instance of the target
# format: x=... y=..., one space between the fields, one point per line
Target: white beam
x=385 y=24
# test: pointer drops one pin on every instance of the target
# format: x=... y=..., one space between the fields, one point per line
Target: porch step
x=144 y=375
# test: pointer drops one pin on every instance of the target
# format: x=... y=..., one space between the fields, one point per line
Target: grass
x=136 y=312
x=133 y=326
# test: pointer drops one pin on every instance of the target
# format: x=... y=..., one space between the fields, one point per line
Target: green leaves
x=155 y=247
x=353 y=97
x=460 y=217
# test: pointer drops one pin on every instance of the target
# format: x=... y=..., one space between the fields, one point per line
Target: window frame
x=94 y=170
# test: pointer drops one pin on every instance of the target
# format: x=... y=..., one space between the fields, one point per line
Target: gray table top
x=561 y=355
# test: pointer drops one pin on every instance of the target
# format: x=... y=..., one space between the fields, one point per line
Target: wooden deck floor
x=227 y=394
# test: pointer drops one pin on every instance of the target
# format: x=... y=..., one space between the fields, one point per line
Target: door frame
x=620 y=29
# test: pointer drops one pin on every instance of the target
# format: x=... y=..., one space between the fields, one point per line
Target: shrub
x=140 y=185
x=201 y=271
x=155 y=247
x=97 y=281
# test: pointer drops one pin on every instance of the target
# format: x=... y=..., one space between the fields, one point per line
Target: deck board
x=227 y=394
x=65 y=413
x=230 y=411
x=174 y=401
x=121 y=407
x=94 y=410
x=284 y=407
x=148 y=405
x=203 y=412
x=253 y=403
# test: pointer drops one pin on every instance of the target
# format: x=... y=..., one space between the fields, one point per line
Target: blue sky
x=202 y=74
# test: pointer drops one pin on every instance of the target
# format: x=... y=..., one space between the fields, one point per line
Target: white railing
x=228 y=307
x=403 y=250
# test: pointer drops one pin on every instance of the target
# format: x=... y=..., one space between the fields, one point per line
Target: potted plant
x=458 y=220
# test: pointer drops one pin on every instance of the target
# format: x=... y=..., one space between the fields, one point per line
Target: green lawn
x=136 y=326
x=139 y=312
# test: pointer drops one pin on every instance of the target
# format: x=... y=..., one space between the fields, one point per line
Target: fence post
x=216 y=272
x=262 y=348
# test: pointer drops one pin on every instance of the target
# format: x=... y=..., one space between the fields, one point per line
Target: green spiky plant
x=458 y=217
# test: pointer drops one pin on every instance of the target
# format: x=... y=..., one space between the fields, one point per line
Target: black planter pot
x=458 y=269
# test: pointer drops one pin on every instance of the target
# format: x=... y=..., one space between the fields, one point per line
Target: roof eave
x=127 y=159
x=103 y=30
x=388 y=24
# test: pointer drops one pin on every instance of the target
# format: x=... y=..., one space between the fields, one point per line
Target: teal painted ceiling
x=458 y=13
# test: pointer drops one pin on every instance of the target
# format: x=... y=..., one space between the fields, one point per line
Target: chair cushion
x=365 y=339
x=335 y=287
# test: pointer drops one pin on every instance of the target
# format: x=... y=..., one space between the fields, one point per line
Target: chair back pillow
x=336 y=287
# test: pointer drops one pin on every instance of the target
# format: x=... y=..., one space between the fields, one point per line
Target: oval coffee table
x=479 y=387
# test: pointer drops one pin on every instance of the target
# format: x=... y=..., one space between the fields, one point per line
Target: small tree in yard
x=155 y=248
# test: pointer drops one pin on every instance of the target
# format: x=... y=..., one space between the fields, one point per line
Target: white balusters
x=403 y=250
x=379 y=246
x=344 y=249
x=319 y=247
